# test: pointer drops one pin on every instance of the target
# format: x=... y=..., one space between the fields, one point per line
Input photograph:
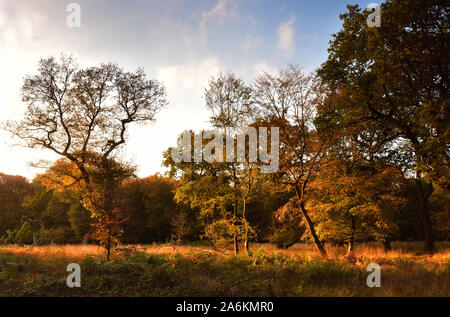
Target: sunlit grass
x=69 y=252
x=183 y=270
x=369 y=251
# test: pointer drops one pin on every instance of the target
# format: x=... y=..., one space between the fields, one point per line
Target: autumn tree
x=83 y=116
x=102 y=197
x=395 y=78
x=230 y=102
x=355 y=200
x=206 y=187
x=288 y=100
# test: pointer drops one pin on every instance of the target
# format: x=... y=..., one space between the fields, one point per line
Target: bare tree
x=83 y=115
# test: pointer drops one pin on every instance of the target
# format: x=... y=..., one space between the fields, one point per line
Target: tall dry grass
x=369 y=251
x=184 y=270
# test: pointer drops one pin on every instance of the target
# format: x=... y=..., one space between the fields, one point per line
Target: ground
x=177 y=270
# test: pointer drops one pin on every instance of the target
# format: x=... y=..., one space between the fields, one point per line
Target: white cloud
x=223 y=10
x=286 y=37
x=263 y=67
x=252 y=20
x=250 y=43
x=185 y=85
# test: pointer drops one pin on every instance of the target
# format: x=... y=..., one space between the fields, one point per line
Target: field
x=176 y=270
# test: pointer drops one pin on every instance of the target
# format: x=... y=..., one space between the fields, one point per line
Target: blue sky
x=181 y=43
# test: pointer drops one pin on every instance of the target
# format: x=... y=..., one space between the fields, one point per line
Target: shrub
x=286 y=236
x=27 y=234
x=58 y=236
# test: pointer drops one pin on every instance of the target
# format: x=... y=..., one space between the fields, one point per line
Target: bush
x=59 y=236
x=27 y=234
x=9 y=237
x=286 y=236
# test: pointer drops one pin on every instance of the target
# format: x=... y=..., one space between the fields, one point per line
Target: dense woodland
x=364 y=149
x=32 y=214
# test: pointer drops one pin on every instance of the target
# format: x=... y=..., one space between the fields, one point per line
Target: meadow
x=180 y=270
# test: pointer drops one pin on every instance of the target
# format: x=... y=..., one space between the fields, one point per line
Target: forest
x=34 y=214
x=363 y=162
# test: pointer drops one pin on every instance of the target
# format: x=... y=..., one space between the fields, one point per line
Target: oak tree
x=83 y=115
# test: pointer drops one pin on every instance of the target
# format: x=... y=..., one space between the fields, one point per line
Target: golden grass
x=406 y=270
x=370 y=251
x=63 y=252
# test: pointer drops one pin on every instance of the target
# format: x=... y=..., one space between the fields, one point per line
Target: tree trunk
x=351 y=240
x=312 y=231
x=245 y=226
x=108 y=204
x=108 y=248
x=423 y=204
x=387 y=245
x=235 y=238
x=351 y=245
x=236 y=245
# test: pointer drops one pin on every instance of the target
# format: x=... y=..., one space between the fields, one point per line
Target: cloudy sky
x=180 y=43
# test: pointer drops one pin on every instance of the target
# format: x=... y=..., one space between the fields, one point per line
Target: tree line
x=33 y=214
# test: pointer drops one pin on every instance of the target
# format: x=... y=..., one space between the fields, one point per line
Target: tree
x=149 y=205
x=83 y=115
x=231 y=106
x=206 y=187
x=288 y=100
x=395 y=78
x=101 y=197
x=13 y=190
x=80 y=220
x=356 y=200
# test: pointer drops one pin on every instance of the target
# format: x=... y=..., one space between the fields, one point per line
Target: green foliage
x=27 y=234
x=80 y=220
x=153 y=214
x=286 y=235
x=222 y=232
x=354 y=201
x=9 y=237
x=13 y=192
x=388 y=92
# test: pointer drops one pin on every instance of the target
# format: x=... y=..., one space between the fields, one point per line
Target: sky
x=180 y=43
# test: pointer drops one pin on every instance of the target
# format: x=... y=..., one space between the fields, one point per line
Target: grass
x=171 y=270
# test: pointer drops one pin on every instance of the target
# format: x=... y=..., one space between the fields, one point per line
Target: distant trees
x=36 y=215
x=13 y=190
x=153 y=214
x=44 y=213
x=83 y=115
x=384 y=206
